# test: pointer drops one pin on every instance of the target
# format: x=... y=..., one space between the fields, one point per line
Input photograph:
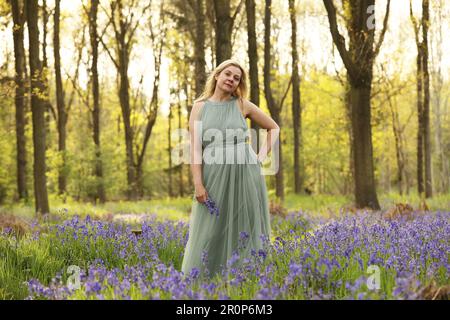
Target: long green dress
x=239 y=190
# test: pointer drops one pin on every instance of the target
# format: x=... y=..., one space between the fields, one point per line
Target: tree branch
x=383 y=32
x=100 y=38
x=238 y=9
x=77 y=71
x=285 y=93
x=80 y=93
x=338 y=39
x=414 y=22
x=133 y=30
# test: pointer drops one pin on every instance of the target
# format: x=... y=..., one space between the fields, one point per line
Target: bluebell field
x=306 y=258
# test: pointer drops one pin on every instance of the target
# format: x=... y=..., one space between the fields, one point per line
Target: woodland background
x=91 y=93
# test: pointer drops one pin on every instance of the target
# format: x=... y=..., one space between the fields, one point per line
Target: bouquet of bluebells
x=212 y=207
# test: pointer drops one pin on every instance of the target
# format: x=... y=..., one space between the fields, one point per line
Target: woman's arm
x=265 y=122
x=196 y=151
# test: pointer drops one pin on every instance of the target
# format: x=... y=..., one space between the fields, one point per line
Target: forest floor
x=321 y=247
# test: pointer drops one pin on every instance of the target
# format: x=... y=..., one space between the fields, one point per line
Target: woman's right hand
x=201 y=194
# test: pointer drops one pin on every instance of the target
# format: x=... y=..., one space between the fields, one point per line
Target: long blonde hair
x=210 y=86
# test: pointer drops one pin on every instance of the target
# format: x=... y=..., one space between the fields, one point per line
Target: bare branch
x=414 y=22
x=341 y=81
x=238 y=9
x=77 y=70
x=285 y=93
x=80 y=93
x=338 y=39
x=383 y=31
x=133 y=30
x=109 y=53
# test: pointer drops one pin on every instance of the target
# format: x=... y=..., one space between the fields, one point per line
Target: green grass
x=179 y=208
x=317 y=203
x=436 y=203
x=166 y=208
x=25 y=259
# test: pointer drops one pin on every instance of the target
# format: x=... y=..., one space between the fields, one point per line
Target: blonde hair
x=210 y=86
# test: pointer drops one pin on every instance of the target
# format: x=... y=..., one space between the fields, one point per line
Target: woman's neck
x=220 y=97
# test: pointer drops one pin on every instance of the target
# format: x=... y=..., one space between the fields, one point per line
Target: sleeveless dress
x=237 y=187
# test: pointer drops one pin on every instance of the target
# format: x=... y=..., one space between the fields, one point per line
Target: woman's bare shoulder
x=247 y=106
x=196 y=108
x=198 y=104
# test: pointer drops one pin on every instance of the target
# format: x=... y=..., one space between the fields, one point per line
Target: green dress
x=237 y=187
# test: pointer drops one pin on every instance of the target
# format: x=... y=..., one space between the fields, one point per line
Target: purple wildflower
x=212 y=207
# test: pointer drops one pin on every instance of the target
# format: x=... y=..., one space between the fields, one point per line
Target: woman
x=226 y=170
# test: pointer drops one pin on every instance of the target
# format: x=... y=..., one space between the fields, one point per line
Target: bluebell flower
x=212 y=207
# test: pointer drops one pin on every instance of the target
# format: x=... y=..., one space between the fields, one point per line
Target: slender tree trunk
x=223 y=28
x=124 y=98
x=199 y=44
x=253 y=61
x=420 y=138
x=139 y=181
x=38 y=110
x=60 y=104
x=426 y=100
x=49 y=111
x=424 y=180
x=279 y=176
x=124 y=28
x=96 y=100
x=18 y=14
x=275 y=110
x=350 y=137
x=296 y=107
x=181 y=184
x=442 y=178
x=399 y=153
x=154 y=103
x=211 y=39
x=188 y=109
x=169 y=150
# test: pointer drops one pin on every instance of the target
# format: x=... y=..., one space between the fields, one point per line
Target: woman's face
x=228 y=80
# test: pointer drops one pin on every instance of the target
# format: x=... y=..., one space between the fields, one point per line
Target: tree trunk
x=223 y=27
x=18 y=14
x=188 y=109
x=399 y=152
x=199 y=44
x=296 y=108
x=358 y=60
x=420 y=182
x=62 y=116
x=100 y=194
x=181 y=184
x=211 y=38
x=275 y=110
x=351 y=162
x=169 y=150
x=49 y=110
x=365 y=194
x=253 y=62
x=442 y=178
x=426 y=100
x=124 y=98
x=154 y=103
x=124 y=28
x=424 y=180
x=38 y=104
